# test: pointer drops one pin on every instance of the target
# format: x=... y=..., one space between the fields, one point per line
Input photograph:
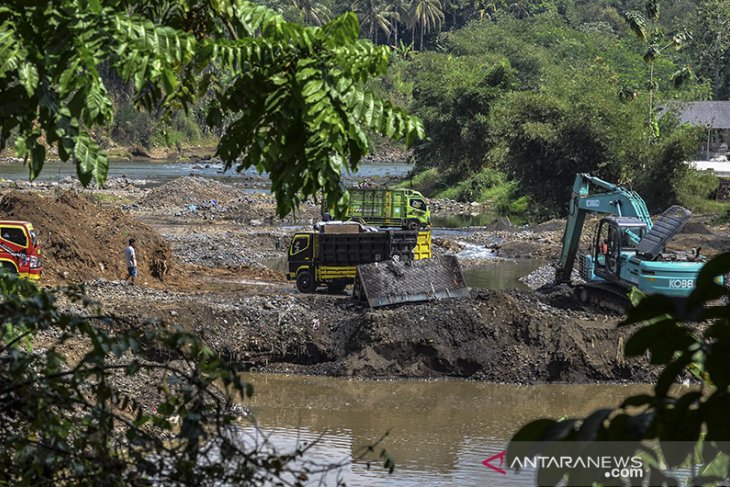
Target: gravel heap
x=545 y=276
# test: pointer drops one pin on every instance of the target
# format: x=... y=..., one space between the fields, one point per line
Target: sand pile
x=82 y=240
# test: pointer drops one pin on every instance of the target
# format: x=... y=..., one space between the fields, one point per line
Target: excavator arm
x=594 y=195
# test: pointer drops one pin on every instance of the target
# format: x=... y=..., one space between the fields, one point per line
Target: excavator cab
x=615 y=242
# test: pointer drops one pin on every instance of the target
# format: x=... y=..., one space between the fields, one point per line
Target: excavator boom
x=594 y=195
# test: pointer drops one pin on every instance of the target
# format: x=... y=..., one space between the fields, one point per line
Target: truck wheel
x=9 y=268
x=305 y=282
x=413 y=225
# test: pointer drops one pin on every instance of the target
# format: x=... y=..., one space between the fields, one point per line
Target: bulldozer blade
x=389 y=282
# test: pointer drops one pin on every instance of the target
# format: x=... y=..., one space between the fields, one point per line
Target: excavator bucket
x=389 y=282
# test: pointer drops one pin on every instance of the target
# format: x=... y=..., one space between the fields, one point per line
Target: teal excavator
x=627 y=249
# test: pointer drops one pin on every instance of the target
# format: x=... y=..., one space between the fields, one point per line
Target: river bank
x=210 y=256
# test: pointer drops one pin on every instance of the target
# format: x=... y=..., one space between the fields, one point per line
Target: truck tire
x=305 y=282
x=8 y=267
x=413 y=225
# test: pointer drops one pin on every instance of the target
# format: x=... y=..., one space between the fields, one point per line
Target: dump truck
x=401 y=208
x=627 y=249
x=328 y=254
x=20 y=251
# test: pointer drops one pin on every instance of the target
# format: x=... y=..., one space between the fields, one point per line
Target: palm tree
x=519 y=8
x=312 y=12
x=399 y=12
x=377 y=16
x=427 y=14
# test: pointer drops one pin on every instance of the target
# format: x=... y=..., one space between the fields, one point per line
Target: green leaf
x=91 y=162
x=28 y=75
x=38 y=157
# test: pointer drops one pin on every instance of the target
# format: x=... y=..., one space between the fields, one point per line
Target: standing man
x=130 y=256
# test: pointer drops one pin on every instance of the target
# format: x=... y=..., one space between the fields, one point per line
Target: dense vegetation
x=515 y=95
x=513 y=106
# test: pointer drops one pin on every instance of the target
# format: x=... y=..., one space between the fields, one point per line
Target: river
x=439 y=431
x=163 y=171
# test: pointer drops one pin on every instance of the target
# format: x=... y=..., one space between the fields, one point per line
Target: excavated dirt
x=83 y=240
x=202 y=198
x=499 y=336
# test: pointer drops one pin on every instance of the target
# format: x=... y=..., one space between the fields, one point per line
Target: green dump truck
x=329 y=255
x=402 y=208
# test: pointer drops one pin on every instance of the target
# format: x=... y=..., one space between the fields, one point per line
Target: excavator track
x=604 y=296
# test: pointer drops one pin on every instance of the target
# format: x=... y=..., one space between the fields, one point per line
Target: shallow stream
x=163 y=171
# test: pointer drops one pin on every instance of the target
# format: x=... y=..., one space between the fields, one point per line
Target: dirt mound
x=189 y=190
x=82 y=240
x=697 y=228
x=497 y=336
x=208 y=199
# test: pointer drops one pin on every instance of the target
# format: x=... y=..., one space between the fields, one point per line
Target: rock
x=499 y=224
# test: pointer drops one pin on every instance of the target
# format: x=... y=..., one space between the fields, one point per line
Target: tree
x=647 y=28
x=710 y=43
x=427 y=14
x=685 y=428
x=312 y=12
x=376 y=16
x=290 y=100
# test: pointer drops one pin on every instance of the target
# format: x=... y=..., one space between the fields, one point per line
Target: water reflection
x=503 y=274
x=440 y=431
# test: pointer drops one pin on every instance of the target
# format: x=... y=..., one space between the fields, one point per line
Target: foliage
x=71 y=421
x=290 y=99
x=665 y=172
x=709 y=44
x=453 y=96
x=647 y=28
x=677 y=420
x=477 y=187
x=576 y=124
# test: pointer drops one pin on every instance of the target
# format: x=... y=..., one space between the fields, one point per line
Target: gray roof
x=715 y=114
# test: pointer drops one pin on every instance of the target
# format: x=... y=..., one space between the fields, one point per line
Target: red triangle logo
x=500 y=456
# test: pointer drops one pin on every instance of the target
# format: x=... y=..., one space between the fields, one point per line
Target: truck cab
x=20 y=251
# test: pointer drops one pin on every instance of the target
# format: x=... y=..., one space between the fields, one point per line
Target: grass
x=488 y=186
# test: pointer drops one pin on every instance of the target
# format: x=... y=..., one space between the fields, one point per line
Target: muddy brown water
x=439 y=431
x=503 y=274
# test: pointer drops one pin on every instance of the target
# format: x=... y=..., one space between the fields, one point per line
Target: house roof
x=715 y=114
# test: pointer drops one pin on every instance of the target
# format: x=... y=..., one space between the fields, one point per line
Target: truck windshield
x=418 y=205
x=14 y=235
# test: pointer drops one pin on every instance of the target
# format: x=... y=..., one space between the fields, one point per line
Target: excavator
x=627 y=248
